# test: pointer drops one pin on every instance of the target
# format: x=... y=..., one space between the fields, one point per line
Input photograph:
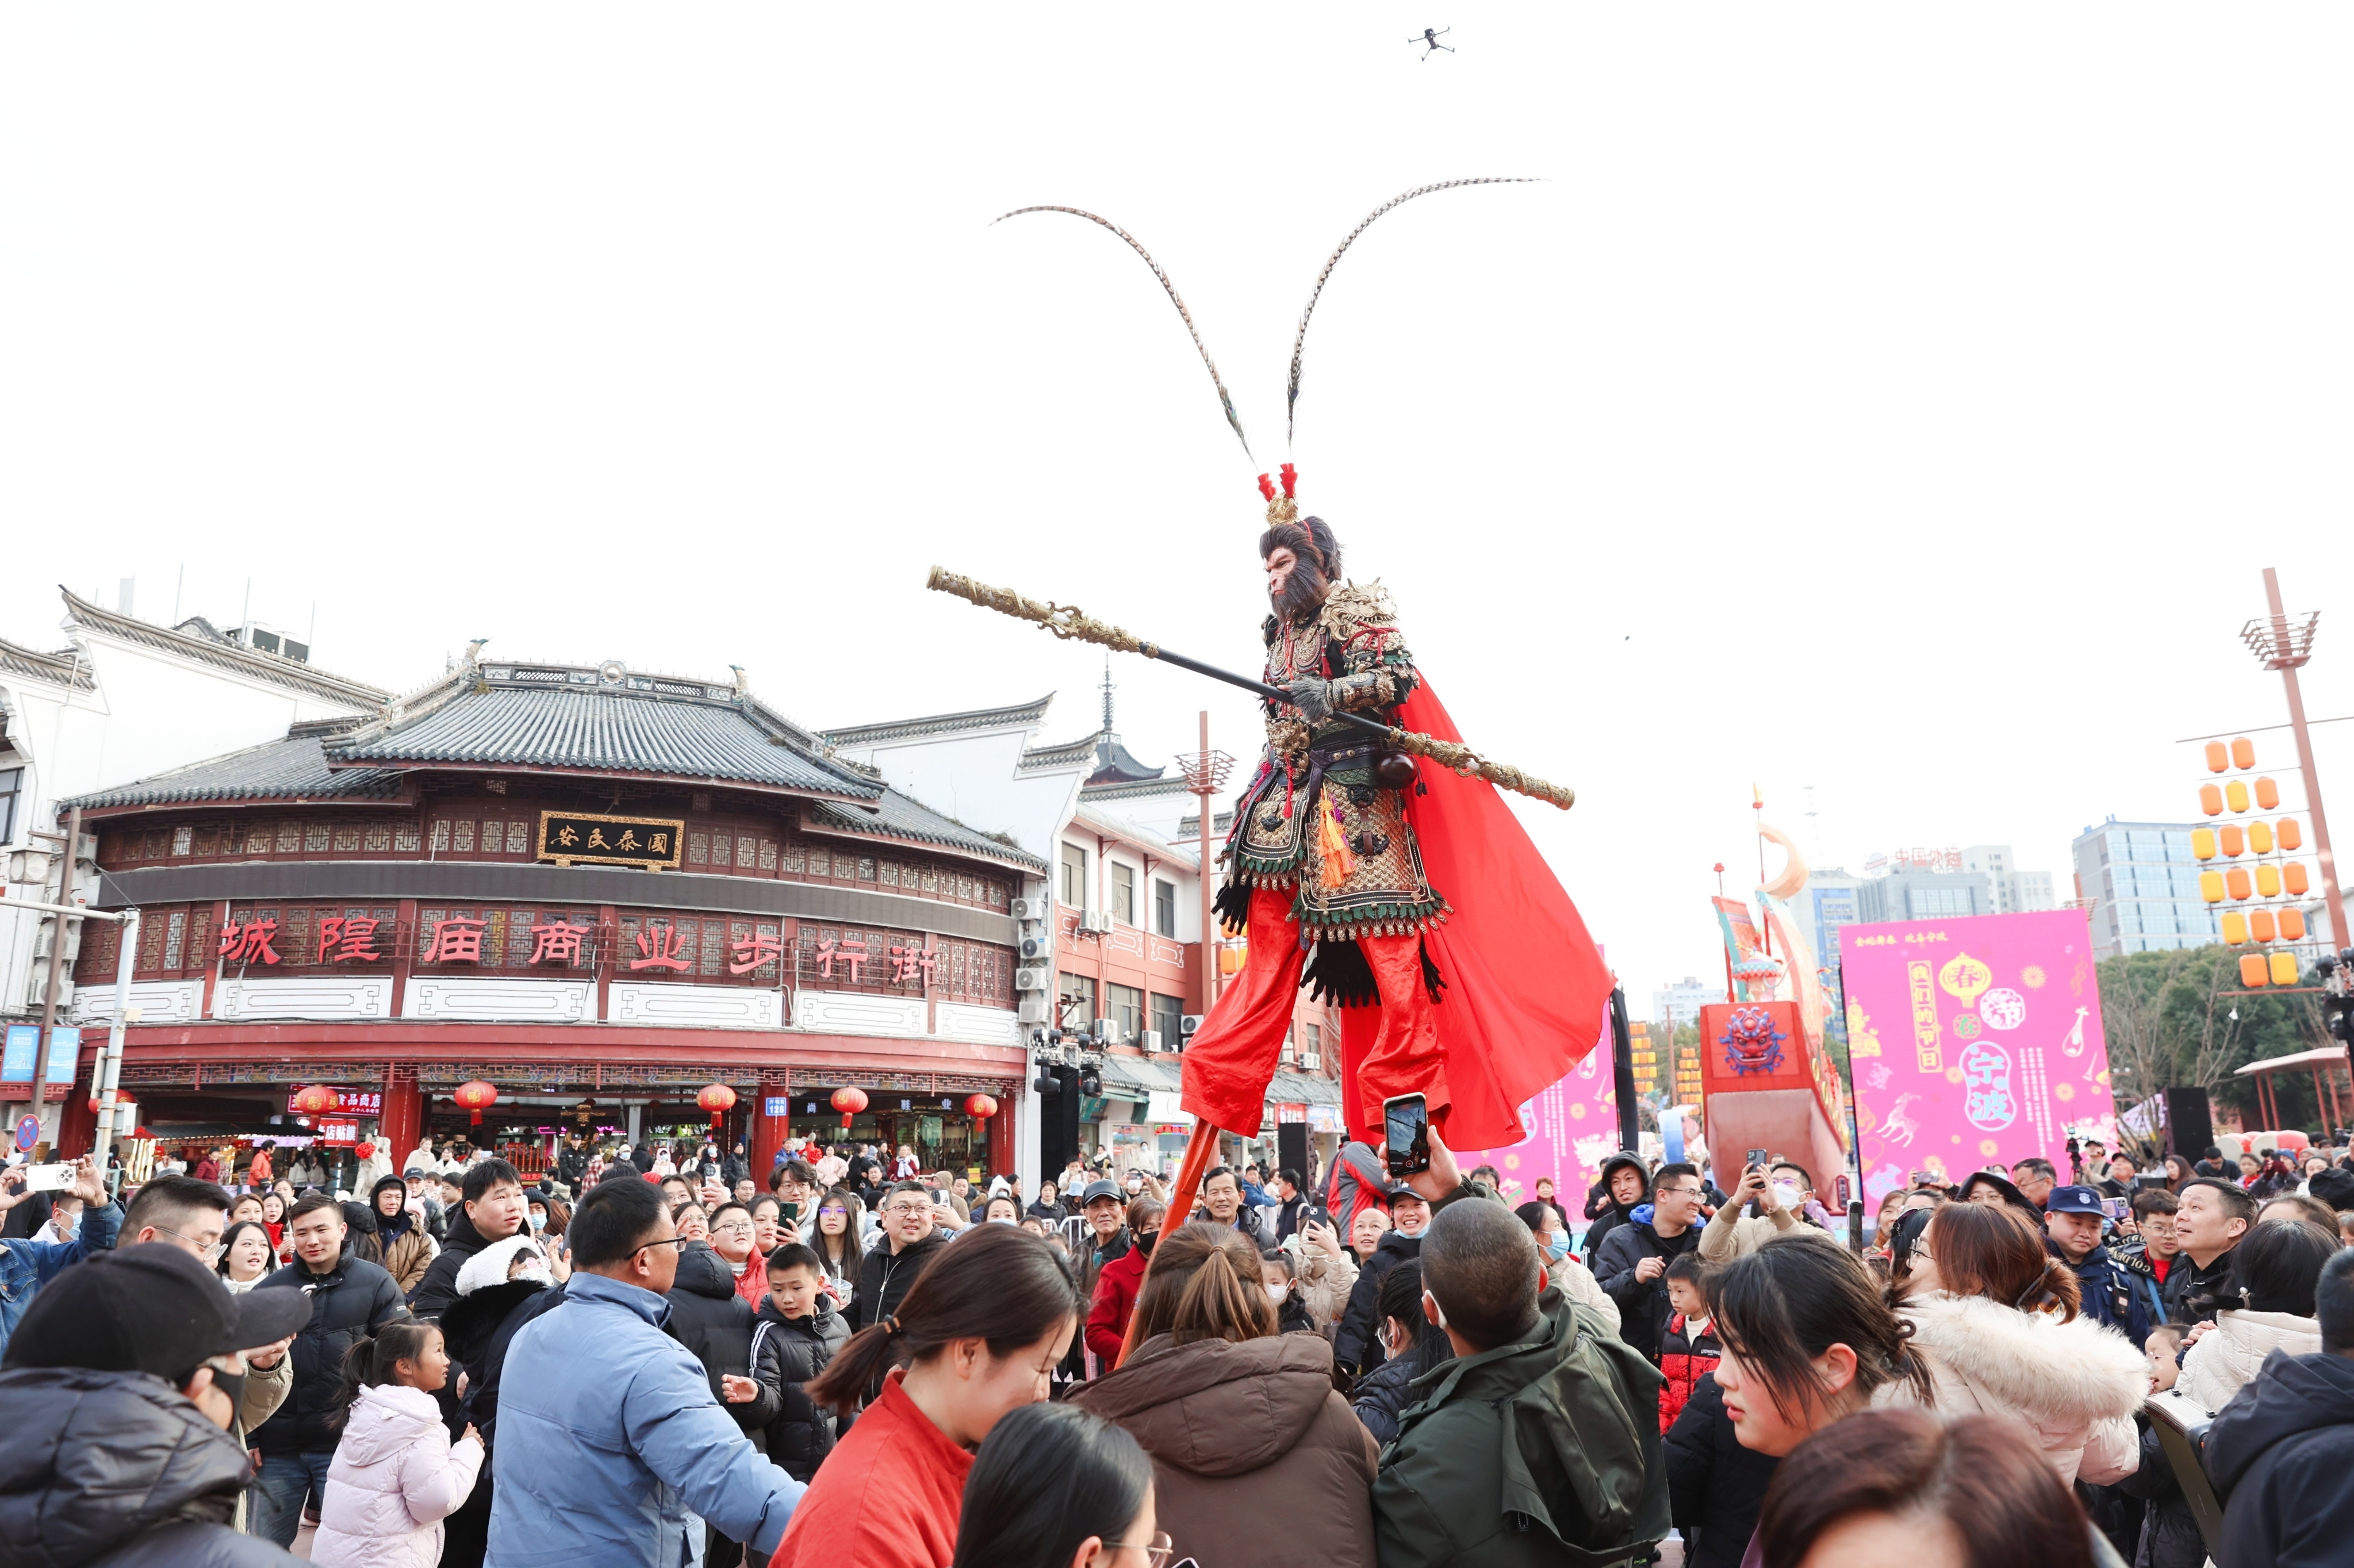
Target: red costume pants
x=1388 y=1050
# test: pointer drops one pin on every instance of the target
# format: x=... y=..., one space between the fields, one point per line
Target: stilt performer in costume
x=1409 y=895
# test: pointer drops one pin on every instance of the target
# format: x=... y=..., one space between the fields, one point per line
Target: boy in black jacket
x=794 y=1338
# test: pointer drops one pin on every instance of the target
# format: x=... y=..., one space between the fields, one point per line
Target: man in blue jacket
x=611 y=1449
x=2072 y=1229
x=27 y=1265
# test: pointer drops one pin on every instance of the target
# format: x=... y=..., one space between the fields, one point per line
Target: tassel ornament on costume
x=1332 y=848
x=1074 y=624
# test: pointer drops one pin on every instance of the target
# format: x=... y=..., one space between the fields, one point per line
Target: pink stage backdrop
x=1975 y=1041
x=1573 y=1129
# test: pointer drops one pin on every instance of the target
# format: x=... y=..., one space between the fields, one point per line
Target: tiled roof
x=58 y=669
x=1018 y=715
x=276 y=769
x=221 y=654
x=606 y=720
x=1070 y=754
x=901 y=816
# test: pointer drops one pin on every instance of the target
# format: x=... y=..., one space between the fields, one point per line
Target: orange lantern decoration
x=476 y=1097
x=849 y=1102
x=980 y=1108
x=717 y=1099
x=316 y=1100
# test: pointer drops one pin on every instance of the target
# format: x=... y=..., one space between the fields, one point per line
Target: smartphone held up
x=1405 y=1133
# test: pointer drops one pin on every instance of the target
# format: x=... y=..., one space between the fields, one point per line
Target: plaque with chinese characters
x=652 y=843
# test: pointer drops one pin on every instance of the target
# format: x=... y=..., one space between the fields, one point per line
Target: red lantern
x=365 y=1151
x=717 y=1099
x=980 y=1108
x=849 y=1102
x=316 y=1100
x=476 y=1097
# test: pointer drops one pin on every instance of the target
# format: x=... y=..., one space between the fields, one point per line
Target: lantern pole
x=2286 y=648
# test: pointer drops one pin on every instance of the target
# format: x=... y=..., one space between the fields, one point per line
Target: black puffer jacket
x=1716 y=1487
x=477 y=1331
x=885 y=1277
x=358 y=1297
x=713 y=1322
x=788 y=1352
x=437 y=1291
x=1357 y=1346
x=1380 y=1395
x=117 y=1470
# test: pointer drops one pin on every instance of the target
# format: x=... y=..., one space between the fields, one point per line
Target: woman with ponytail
x=977 y=1336
x=1994 y=1313
x=395 y=1475
x=1254 y=1457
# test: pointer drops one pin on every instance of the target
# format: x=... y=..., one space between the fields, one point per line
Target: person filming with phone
x=27 y=1263
x=1633 y=1263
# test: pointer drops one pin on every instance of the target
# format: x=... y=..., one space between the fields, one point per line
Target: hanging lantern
x=476 y=1097
x=316 y=1100
x=980 y=1108
x=717 y=1099
x=849 y=1102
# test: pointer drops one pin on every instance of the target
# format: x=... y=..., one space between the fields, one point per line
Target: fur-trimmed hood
x=2048 y=1371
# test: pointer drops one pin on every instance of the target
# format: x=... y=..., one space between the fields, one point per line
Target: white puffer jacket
x=2227 y=1357
x=2077 y=1384
x=394 y=1477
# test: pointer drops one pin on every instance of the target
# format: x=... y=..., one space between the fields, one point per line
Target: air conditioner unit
x=1032 y=909
x=1038 y=947
x=1310 y=1062
x=1036 y=1009
x=1095 y=921
x=1032 y=978
x=1106 y=1032
x=1153 y=1040
x=46 y=933
x=1188 y=1025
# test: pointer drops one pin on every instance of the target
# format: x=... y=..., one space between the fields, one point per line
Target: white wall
x=977 y=778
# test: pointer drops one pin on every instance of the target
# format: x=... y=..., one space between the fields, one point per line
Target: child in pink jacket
x=395 y=1475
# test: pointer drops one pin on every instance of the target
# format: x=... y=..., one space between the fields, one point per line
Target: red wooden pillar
x=403 y=1119
x=768 y=1131
x=1002 y=1160
x=76 y=1123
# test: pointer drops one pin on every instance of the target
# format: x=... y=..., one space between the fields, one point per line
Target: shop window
x=748 y=850
x=518 y=838
x=845 y=867
x=378 y=838
x=175 y=938
x=1164 y=907
x=289 y=838
x=1169 y=1018
x=796 y=860
x=347 y=838
x=698 y=849
x=441 y=836
x=1123 y=894
x=722 y=850
x=208 y=839
x=1124 y=1006
x=1078 y=1001
x=866 y=868
x=818 y=865
x=151 y=945
x=462 y=836
x=931 y=882
x=184 y=839
x=315 y=838
x=889 y=874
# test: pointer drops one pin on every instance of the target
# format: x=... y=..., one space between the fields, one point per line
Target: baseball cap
x=149 y=1308
x=2002 y=1184
x=2073 y=1200
x=1397 y=1189
x=1100 y=1188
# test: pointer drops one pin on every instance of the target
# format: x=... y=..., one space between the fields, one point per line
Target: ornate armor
x=1312 y=818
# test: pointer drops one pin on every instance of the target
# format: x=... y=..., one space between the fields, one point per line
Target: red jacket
x=887 y=1497
x=1684 y=1359
x=1115 y=1303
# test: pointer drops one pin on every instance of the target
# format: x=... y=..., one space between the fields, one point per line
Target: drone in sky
x=1429 y=41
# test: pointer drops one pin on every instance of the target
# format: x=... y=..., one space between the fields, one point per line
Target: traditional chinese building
x=596 y=889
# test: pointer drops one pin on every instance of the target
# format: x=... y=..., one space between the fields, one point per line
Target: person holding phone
x=27 y=1265
x=1633 y=1263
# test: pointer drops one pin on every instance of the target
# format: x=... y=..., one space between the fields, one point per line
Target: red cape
x=1526 y=987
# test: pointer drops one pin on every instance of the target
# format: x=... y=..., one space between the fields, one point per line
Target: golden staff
x=1073 y=624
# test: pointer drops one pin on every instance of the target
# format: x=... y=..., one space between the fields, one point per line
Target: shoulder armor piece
x=1352 y=607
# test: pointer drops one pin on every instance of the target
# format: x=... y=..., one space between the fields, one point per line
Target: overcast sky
x=1892 y=402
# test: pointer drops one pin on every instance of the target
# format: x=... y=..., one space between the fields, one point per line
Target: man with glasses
x=26 y=1264
x=1633 y=1263
x=909 y=1241
x=626 y=1467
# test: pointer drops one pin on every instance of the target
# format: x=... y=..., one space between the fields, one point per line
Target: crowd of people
x=646 y=1355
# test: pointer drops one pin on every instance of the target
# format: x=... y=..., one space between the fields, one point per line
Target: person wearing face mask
x=1414 y=1345
x=1573 y=1278
x=1117 y=1283
x=1734 y=1231
x=503 y=1286
x=1279 y=1274
x=116 y=1398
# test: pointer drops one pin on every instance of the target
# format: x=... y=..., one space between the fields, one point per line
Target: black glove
x=1312 y=697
